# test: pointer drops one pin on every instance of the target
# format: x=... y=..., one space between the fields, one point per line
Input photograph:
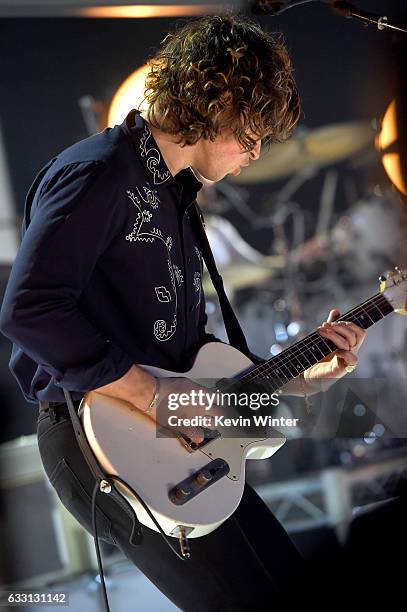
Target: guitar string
x=316 y=341
x=295 y=349
x=285 y=364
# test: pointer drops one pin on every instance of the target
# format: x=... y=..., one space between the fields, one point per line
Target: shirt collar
x=152 y=159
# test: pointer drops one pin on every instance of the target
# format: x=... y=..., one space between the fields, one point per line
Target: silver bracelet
x=156 y=397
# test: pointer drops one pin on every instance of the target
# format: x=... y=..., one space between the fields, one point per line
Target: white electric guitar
x=189 y=491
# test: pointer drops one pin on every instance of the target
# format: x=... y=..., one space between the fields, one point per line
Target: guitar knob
x=182 y=493
x=203 y=478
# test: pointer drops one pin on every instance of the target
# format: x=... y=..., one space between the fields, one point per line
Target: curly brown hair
x=222 y=71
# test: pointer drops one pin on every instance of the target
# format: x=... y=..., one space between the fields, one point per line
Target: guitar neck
x=305 y=353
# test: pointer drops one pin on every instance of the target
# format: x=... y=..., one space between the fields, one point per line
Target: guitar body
x=190 y=493
x=125 y=444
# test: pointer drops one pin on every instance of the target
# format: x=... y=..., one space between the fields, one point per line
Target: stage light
x=294 y=328
x=369 y=437
x=378 y=430
x=275 y=349
x=129 y=95
x=144 y=11
x=359 y=410
x=389 y=143
x=280 y=332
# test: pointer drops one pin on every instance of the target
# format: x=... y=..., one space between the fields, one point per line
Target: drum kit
x=297 y=284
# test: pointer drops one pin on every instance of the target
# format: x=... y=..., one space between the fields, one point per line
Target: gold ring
x=350 y=367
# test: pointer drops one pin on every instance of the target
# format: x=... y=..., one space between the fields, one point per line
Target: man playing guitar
x=108 y=276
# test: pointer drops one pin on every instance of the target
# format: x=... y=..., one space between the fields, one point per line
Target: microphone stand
x=345 y=9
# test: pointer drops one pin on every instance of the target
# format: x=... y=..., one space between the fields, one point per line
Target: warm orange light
x=140 y=11
x=392 y=165
x=389 y=136
x=129 y=95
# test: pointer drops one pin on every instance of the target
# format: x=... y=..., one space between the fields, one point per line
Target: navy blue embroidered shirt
x=108 y=272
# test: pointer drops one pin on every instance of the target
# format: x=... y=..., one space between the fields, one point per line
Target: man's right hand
x=178 y=386
x=137 y=386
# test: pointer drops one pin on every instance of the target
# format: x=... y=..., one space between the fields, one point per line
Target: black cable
x=147 y=509
x=113 y=477
x=99 y=558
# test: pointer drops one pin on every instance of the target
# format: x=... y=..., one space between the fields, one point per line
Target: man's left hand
x=348 y=337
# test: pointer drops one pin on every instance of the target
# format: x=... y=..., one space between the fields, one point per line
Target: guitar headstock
x=394 y=288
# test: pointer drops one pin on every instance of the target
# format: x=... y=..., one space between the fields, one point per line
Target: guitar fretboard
x=305 y=353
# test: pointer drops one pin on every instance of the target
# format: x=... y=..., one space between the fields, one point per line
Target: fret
x=360 y=319
x=316 y=351
x=374 y=302
x=298 y=359
x=328 y=346
x=267 y=369
x=385 y=307
x=287 y=364
x=277 y=381
x=375 y=314
x=367 y=313
x=309 y=356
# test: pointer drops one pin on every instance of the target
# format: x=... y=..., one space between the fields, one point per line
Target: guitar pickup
x=199 y=481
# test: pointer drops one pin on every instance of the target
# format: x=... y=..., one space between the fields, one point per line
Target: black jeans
x=247 y=563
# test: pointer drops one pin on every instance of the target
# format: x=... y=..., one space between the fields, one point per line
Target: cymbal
x=244 y=275
x=320 y=147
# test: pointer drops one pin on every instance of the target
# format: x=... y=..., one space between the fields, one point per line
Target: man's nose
x=255 y=152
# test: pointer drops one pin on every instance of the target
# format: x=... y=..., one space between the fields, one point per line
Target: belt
x=56 y=406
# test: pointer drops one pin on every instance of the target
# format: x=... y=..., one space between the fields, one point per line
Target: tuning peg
x=397 y=269
x=382 y=278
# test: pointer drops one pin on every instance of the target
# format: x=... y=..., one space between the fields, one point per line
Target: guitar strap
x=99 y=475
x=234 y=331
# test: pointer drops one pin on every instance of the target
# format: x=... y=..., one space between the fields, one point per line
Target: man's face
x=225 y=155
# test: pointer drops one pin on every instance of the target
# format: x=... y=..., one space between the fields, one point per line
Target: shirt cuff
x=85 y=378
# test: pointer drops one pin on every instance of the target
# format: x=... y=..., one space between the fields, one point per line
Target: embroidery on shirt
x=146 y=216
x=145 y=194
x=198 y=277
x=163 y=295
x=151 y=197
x=178 y=275
x=198 y=254
x=198 y=286
x=153 y=158
x=161 y=329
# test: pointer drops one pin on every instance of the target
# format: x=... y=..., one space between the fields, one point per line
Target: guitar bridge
x=209 y=436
